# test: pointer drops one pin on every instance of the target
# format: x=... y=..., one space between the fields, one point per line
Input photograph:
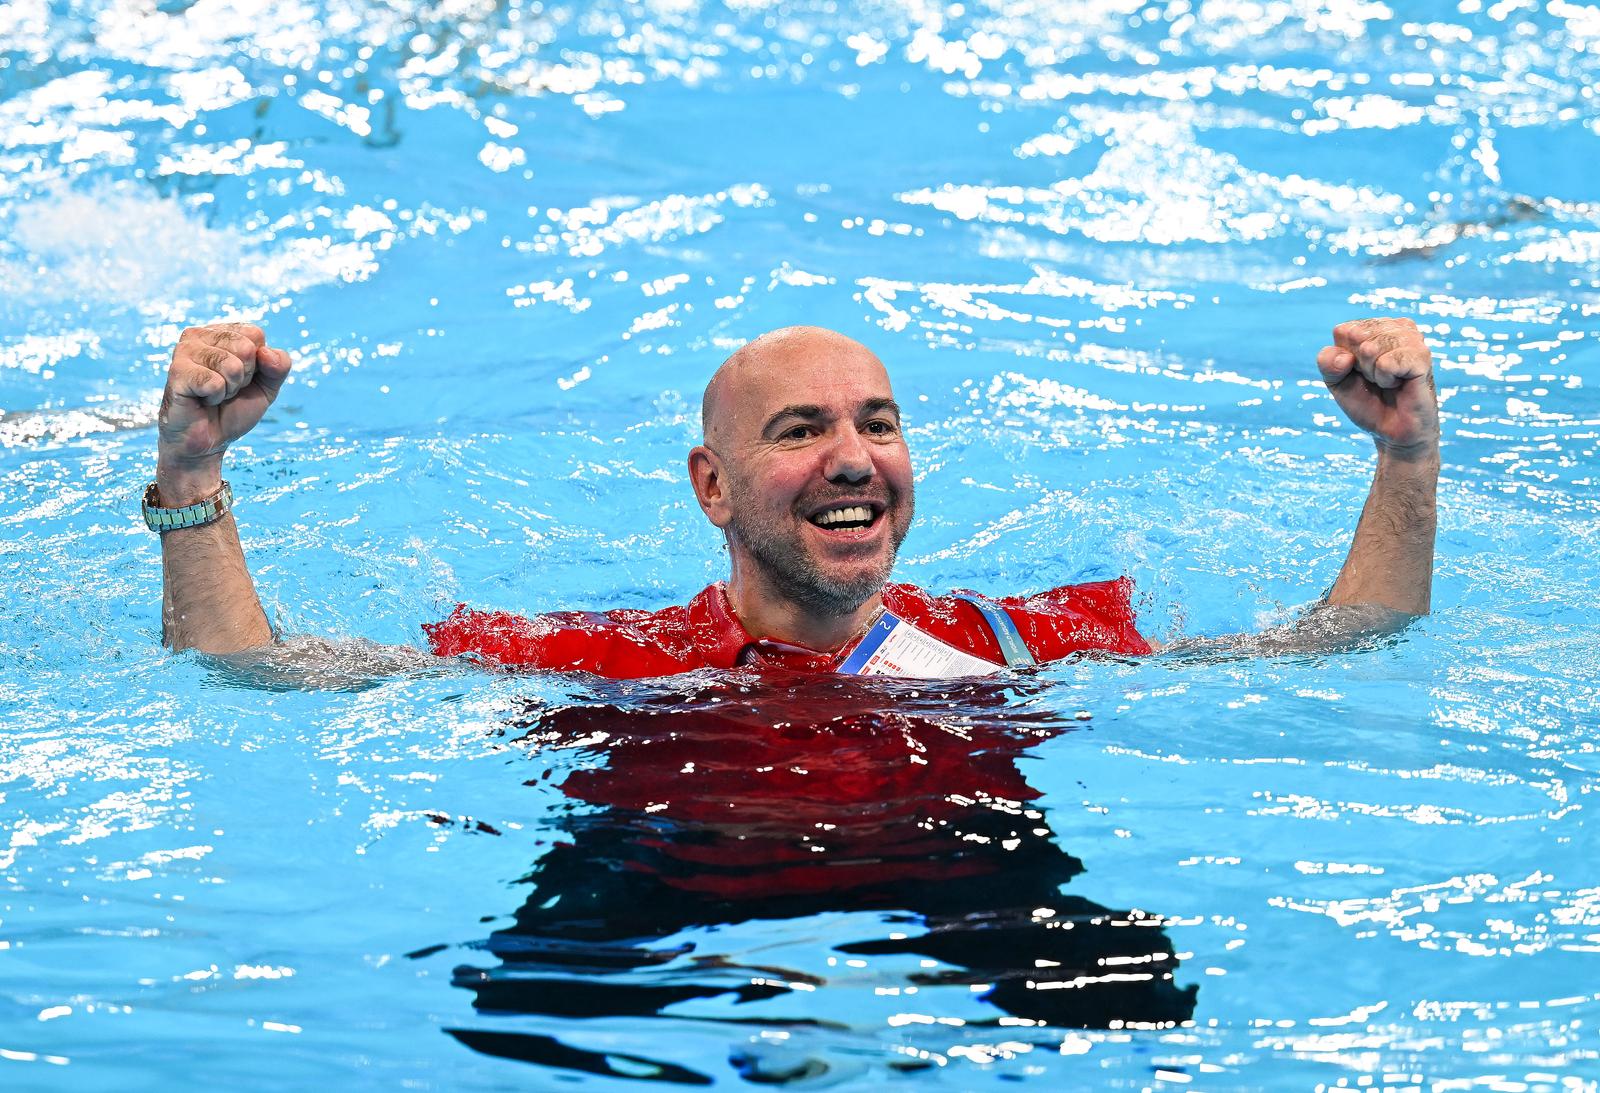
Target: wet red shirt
x=705 y=633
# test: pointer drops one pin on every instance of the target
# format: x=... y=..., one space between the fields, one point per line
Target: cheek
x=801 y=470
x=896 y=469
x=777 y=484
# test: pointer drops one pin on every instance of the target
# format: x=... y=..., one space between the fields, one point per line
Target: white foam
x=126 y=244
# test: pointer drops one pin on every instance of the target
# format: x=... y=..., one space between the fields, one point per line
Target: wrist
x=180 y=482
x=1410 y=475
x=1422 y=454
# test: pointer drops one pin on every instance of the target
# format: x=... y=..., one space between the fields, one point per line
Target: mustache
x=884 y=495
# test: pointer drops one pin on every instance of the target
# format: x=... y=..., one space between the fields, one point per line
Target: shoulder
x=620 y=644
x=1073 y=618
x=1096 y=616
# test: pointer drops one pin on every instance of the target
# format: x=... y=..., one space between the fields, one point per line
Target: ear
x=705 y=475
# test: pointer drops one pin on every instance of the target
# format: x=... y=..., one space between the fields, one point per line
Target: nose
x=849 y=459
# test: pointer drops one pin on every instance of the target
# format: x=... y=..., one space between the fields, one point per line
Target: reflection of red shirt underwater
x=787 y=796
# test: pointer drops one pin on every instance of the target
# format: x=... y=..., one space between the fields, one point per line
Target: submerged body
x=795 y=796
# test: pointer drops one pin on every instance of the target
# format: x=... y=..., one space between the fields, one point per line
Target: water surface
x=1098 y=244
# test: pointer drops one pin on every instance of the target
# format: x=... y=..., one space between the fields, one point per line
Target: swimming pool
x=1099 y=245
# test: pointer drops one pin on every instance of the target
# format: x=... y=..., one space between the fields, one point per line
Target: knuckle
x=244 y=333
x=229 y=339
x=1396 y=328
x=212 y=357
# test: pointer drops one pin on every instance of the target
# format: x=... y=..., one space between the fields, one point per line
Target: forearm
x=208 y=600
x=1391 y=558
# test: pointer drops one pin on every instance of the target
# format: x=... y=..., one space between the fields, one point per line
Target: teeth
x=854 y=514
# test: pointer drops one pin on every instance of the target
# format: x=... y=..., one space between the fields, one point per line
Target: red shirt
x=819 y=783
x=705 y=633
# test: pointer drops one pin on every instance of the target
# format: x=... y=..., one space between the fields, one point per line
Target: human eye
x=880 y=426
x=798 y=432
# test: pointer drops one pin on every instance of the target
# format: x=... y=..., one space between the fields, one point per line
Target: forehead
x=836 y=374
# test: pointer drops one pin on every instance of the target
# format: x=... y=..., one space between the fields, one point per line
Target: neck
x=765 y=613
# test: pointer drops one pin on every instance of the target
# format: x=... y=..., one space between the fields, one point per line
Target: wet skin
x=800 y=423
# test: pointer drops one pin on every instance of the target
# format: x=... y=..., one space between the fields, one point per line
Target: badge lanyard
x=892 y=646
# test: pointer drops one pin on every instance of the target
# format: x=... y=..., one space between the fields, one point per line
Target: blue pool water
x=1099 y=244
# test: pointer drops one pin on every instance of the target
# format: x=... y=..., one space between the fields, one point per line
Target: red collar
x=724 y=642
x=719 y=637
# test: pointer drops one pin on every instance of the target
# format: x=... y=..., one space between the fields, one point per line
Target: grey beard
x=793 y=573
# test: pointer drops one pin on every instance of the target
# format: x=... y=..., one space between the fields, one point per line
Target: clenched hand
x=1381 y=373
x=221 y=381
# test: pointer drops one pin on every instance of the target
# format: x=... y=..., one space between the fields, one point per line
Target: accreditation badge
x=893 y=647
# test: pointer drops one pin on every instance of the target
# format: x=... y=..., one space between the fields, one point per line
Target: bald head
x=805 y=469
x=783 y=360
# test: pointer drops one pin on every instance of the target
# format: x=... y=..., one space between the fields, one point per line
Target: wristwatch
x=206 y=511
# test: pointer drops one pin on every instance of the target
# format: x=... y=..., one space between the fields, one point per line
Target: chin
x=823 y=586
x=848 y=591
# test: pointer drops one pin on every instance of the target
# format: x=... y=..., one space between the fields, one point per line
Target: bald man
x=804 y=467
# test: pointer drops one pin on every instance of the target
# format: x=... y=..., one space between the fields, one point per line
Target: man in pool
x=805 y=469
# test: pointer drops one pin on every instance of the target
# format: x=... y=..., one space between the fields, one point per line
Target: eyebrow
x=803 y=411
x=810 y=412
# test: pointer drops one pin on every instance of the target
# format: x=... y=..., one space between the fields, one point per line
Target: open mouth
x=846 y=517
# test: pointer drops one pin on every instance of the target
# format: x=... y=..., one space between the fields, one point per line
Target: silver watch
x=205 y=511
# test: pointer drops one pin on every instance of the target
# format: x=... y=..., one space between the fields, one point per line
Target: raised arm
x=220 y=384
x=1381 y=374
x=221 y=381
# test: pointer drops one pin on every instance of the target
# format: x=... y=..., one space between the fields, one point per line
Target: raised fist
x=1381 y=374
x=221 y=382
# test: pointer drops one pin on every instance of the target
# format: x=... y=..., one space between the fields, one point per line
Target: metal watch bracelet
x=205 y=511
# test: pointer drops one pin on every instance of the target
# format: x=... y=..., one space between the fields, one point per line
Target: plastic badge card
x=893 y=647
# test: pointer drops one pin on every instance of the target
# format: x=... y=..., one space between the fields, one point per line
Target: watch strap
x=205 y=511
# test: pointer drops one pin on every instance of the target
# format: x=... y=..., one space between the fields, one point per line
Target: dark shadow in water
x=731 y=801
x=1507 y=212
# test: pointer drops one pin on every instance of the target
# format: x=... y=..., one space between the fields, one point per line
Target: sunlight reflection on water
x=1099 y=245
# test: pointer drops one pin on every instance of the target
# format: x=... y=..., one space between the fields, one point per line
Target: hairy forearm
x=1385 y=583
x=208 y=600
x=1391 y=558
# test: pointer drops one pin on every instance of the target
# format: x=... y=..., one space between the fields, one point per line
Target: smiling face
x=806 y=471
